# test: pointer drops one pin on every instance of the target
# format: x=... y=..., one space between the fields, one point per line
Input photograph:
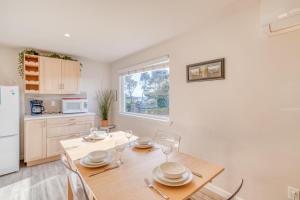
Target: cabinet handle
x=70 y=124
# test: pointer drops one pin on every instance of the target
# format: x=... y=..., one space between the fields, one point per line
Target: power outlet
x=293 y=193
x=53 y=103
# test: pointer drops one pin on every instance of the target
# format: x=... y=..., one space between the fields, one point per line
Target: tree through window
x=146 y=92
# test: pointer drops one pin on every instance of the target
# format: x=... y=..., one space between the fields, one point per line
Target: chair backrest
x=67 y=166
x=237 y=191
x=168 y=136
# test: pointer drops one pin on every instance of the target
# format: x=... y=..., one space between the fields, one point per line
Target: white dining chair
x=231 y=197
x=168 y=136
x=78 y=188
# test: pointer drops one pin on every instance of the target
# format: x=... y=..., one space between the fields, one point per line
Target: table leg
x=69 y=191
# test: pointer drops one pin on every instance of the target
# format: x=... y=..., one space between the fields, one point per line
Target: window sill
x=145 y=116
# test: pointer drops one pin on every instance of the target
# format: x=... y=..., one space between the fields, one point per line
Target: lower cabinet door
x=53 y=144
x=34 y=140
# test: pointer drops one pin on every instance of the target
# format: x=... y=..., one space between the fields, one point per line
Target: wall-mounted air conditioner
x=280 y=16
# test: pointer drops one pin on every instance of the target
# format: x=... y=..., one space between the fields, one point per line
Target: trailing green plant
x=67 y=58
x=64 y=57
x=34 y=52
x=21 y=60
x=105 y=99
x=54 y=55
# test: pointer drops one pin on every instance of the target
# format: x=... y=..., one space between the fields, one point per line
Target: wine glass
x=166 y=148
x=92 y=130
x=120 y=147
x=129 y=134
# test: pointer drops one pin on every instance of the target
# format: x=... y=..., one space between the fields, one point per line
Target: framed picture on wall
x=209 y=70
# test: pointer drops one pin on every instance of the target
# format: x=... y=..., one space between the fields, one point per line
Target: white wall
x=9 y=76
x=94 y=76
x=249 y=122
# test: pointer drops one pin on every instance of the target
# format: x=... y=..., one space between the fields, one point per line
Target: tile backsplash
x=52 y=103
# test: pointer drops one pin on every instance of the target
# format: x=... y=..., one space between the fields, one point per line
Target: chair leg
x=70 y=192
x=237 y=191
x=66 y=164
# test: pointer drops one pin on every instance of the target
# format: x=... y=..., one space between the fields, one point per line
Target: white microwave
x=74 y=105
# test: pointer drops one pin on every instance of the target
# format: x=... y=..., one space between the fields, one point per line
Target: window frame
x=121 y=95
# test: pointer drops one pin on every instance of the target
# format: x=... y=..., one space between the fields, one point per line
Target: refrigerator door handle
x=5 y=136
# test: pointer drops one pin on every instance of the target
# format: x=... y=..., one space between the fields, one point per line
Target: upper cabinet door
x=70 y=77
x=50 y=75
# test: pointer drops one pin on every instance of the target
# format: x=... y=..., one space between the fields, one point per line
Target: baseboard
x=42 y=161
x=220 y=191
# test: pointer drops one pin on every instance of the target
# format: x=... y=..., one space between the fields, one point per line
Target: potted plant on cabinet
x=105 y=98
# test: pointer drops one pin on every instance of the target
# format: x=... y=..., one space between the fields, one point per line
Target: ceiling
x=103 y=30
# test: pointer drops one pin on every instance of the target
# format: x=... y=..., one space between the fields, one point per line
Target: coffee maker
x=36 y=107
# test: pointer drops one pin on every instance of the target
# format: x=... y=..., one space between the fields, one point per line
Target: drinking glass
x=166 y=148
x=129 y=135
x=92 y=130
x=120 y=147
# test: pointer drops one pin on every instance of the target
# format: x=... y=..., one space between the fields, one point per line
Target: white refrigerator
x=9 y=129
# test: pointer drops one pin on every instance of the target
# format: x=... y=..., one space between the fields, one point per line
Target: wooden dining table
x=127 y=181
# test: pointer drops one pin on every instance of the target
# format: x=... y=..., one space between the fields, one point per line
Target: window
x=145 y=90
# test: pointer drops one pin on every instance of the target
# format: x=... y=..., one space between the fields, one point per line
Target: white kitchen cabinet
x=70 y=125
x=35 y=140
x=59 y=76
x=43 y=136
x=53 y=146
x=50 y=75
x=70 y=77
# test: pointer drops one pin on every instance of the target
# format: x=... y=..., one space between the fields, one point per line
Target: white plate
x=93 y=166
x=160 y=175
x=144 y=146
x=87 y=161
x=163 y=181
x=92 y=138
x=97 y=137
x=87 y=164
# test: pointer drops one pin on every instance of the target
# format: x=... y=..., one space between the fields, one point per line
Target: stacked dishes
x=144 y=143
x=96 y=159
x=172 y=174
x=96 y=135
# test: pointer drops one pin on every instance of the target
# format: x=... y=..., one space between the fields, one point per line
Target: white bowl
x=144 y=140
x=158 y=177
x=99 y=133
x=97 y=156
x=172 y=169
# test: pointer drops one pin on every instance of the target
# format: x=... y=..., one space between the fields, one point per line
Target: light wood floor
x=48 y=182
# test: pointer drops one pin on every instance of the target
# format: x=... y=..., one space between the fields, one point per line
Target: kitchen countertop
x=56 y=115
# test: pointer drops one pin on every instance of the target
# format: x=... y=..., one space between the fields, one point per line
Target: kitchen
x=39 y=107
x=73 y=108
